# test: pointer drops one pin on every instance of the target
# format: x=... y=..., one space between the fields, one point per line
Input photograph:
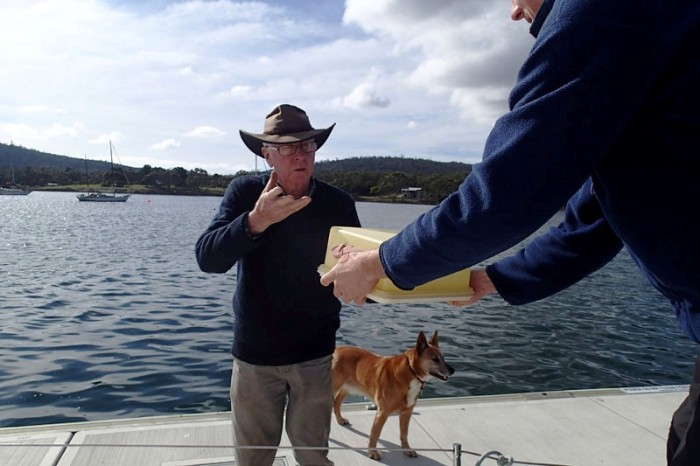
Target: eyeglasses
x=288 y=150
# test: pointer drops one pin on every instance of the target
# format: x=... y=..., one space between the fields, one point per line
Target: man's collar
x=541 y=16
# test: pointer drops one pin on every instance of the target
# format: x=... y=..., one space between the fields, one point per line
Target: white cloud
x=57 y=130
x=241 y=90
x=205 y=132
x=412 y=77
x=104 y=139
x=361 y=97
x=467 y=49
x=21 y=131
x=165 y=145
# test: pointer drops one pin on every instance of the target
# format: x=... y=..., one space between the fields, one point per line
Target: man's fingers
x=349 y=300
x=272 y=182
x=461 y=303
x=288 y=205
x=337 y=251
x=343 y=249
x=469 y=301
x=327 y=278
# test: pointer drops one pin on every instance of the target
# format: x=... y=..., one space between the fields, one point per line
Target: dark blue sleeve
x=225 y=240
x=580 y=245
x=586 y=78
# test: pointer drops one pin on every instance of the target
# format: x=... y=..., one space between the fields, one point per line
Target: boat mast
x=111 y=163
x=87 y=178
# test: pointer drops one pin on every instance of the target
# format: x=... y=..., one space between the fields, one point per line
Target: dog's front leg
x=379 y=420
x=404 y=419
x=337 y=404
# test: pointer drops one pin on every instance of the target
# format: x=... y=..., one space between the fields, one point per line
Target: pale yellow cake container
x=453 y=287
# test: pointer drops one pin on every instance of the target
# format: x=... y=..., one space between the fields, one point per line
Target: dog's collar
x=413 y=371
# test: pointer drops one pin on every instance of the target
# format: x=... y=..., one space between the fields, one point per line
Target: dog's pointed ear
x=434 y=340
x=421 y=343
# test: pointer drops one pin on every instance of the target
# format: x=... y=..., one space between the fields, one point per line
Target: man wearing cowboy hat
x=275 y=227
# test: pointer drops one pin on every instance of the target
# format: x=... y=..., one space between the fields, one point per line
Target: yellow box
x=453 y=287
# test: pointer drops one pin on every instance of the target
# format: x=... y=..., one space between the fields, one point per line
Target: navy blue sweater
x=283 y=315
x=604 y=113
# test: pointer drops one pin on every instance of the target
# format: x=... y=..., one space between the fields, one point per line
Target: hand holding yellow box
x=453 y=287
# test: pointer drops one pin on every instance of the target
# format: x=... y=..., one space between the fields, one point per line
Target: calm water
x=105 y=314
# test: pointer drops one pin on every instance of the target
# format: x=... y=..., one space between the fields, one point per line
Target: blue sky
x=172 y=82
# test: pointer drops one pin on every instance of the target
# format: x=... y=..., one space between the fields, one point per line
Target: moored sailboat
x=96 y=196
x=14 y=190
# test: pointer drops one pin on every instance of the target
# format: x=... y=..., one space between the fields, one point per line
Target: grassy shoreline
x=214 y=192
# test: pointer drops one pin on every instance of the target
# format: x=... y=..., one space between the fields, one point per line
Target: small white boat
x=13 y=192
x=103 y=197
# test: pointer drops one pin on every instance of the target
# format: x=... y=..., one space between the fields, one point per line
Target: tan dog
x=392 y=382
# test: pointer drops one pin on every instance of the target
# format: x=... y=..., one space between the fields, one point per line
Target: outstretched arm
x=581 y=244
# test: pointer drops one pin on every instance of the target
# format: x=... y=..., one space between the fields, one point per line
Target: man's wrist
x=248 y=231
x=376 y=264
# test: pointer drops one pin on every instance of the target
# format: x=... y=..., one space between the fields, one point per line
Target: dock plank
x=35 y=455
x=204 y=433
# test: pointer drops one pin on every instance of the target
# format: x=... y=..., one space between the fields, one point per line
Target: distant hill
x=20 y=157
x=391 y=165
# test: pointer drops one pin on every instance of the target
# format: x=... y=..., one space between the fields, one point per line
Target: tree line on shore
x=398 y=179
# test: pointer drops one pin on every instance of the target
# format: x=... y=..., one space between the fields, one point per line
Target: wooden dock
x=616 y=427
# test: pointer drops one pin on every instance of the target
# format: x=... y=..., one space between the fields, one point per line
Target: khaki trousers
x=259 y=396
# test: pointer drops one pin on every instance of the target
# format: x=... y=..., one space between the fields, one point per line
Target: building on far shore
x=412 y=192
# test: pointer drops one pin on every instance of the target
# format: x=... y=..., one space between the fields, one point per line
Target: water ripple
x=105 y=314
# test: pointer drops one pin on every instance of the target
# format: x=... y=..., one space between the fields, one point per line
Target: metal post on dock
x=456 y=454
x=500 y=459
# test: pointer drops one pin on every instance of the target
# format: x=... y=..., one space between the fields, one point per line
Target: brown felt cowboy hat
x=286 y=124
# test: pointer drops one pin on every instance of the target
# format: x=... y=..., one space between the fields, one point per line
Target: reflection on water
x=105 y=314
